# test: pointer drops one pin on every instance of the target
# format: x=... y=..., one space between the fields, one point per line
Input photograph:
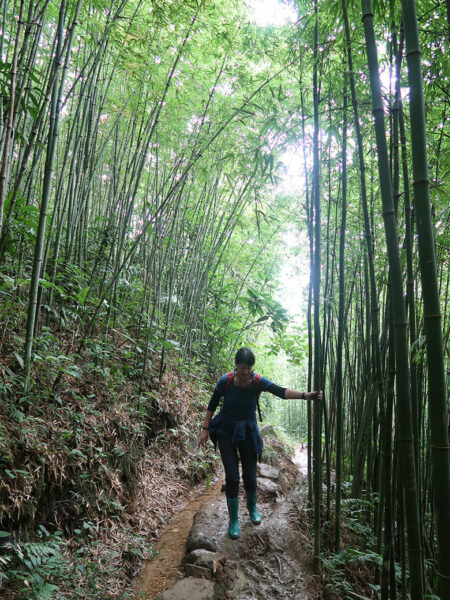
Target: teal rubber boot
x=253 y=511
x=233 y=510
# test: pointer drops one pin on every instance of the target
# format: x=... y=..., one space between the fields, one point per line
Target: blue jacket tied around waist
x=239 y=430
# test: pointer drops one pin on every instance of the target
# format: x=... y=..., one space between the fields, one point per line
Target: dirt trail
x=267 y=561
x=163 y=571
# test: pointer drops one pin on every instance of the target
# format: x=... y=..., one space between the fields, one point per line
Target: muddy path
x=198 y=561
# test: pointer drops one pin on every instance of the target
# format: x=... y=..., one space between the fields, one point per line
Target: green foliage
x=199 y=466
x=355 y=513
x=350 y=555
x=342 y=568
x=263 y=305
x=36 y=567
x=294 y=342
x=53 y=568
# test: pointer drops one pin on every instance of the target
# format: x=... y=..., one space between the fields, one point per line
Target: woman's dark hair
x=244 y=356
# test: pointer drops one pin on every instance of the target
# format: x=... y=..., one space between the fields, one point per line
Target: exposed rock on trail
x=266 y=561
x=164 y=571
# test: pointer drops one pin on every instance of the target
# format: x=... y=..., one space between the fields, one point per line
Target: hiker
x=235 y=428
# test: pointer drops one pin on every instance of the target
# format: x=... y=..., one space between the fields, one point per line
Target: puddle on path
x=162 y=572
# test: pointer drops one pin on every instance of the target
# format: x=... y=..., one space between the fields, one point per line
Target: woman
x=235 y=429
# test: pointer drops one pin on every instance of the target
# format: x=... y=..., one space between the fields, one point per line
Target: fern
x=349 y=555
x=34 y=564
x=356 y=503
x=45 y=591
x=4 y=562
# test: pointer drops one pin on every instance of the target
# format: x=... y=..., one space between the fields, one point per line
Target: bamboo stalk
x=406 y=438
x=10 y=126
x=437 y=403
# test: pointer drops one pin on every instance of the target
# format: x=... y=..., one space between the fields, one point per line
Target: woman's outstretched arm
x=292 y=394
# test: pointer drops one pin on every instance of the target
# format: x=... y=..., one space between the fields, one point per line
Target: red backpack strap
x=228 y=382
x=256 y=383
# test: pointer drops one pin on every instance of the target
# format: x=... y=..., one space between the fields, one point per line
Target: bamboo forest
x=180 y=179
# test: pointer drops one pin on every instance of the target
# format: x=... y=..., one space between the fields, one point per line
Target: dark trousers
x=229 y=455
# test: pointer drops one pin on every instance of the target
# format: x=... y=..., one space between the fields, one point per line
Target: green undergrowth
x=52 y=566
x=354 y=571
x=277 y=444
x=288 y=441
x=74 y=456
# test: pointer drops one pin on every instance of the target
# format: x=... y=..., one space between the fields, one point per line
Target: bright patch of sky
x=294 y=277
x=295 y=268
x=271 y=12
x=293 y=172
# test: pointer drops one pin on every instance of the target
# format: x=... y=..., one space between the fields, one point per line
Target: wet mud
x=266 y=561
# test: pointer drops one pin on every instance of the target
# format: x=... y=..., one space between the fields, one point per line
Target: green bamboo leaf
x=50 y=285
x=19 y=359
x=81 y=296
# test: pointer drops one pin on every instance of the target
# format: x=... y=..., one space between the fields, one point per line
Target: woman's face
x=243 y=372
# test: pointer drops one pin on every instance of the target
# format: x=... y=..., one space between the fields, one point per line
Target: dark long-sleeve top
x=237 y=416
x=241 y=402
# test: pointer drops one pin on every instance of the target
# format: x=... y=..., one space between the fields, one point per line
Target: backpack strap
x=256 y=383
x=228 y=382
